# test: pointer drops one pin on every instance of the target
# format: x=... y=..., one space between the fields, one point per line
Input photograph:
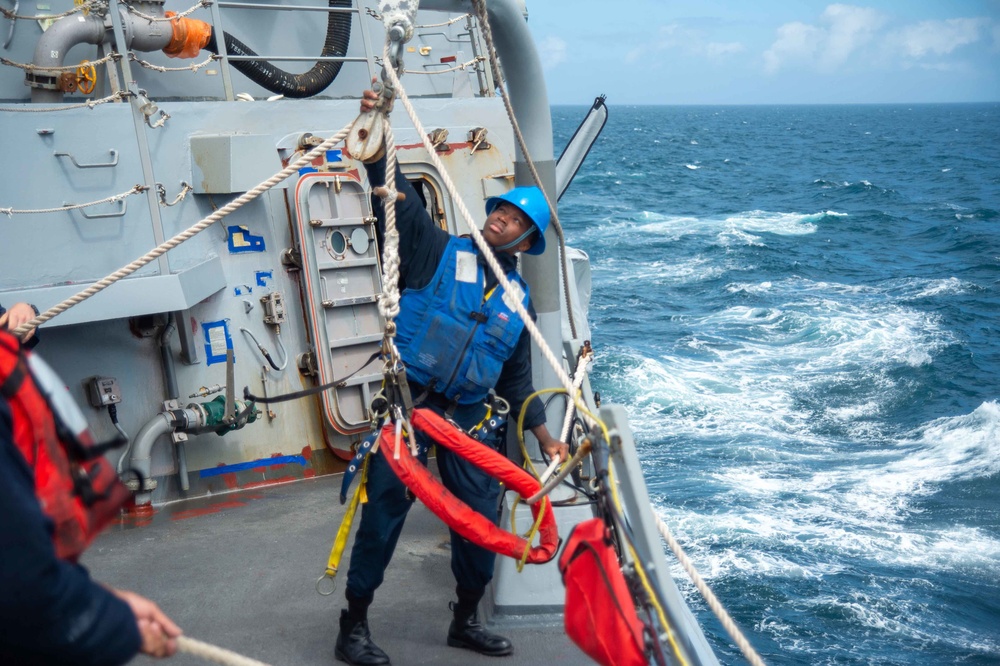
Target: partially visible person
x=19 y=313
x=51 y=611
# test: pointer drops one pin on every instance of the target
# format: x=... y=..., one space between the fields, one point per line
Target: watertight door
x=342 y=284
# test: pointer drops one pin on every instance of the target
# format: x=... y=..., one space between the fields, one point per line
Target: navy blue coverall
x=51 y=612
x=422 y=246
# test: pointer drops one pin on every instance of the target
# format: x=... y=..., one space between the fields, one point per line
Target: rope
x=189 y=233
x=90 y=104
x=42 y=17
x=388 y=305
x=10 y=212
x=210 y=652
x=156 y=19
x=498 y=79
x=378 y=17
x=463 y=66
x=477 y=237
x=713 y=601
x=159 y=68
x=60 y=68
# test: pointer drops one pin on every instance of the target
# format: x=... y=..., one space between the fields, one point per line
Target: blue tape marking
x=241 y=240
x=334 y=155
x=304 y=170
x=238 y=291
x=207 y=329
x=263 y=277
x=253 y=464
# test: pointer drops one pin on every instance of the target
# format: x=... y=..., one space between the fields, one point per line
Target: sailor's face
x=506 y=223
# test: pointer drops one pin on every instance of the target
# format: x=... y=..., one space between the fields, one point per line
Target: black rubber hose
x=307 y=84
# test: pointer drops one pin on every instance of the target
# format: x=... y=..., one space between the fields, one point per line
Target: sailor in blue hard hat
x=516 y=221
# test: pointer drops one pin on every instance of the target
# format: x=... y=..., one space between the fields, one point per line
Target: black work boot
x=467 y=632
x=355 y=645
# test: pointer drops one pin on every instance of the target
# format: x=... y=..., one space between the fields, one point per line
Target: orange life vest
x=76 y=486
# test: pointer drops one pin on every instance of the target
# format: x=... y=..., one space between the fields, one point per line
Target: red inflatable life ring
x=456 y=514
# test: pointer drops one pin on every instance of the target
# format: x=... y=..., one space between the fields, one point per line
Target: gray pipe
x=142 y=449
x=69 y=31
x=170 y=379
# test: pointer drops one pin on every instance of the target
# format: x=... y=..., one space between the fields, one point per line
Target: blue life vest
x=451 y=334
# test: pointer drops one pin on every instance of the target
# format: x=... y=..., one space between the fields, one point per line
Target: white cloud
x=843 y=32
x=850 y=28
x=939 y=37
x=719 y=49
x=552 y=51
x=686 y=40
x=796 y=41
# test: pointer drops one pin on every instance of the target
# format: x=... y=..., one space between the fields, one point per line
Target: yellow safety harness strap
x=343 y=533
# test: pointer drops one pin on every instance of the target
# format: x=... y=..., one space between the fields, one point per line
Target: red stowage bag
x=600 y=614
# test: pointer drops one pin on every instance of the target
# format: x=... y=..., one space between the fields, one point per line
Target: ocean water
x=800 y=307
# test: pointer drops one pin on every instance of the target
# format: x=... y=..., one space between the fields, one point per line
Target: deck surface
x=239 y=571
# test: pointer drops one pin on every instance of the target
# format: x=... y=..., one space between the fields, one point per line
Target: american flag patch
x=503 y=315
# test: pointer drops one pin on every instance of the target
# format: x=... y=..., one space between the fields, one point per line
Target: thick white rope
x=484 y=22
x=487 y=251
x=214 y=653
x=187 y=234
x=578 y=377
x=710 y=597
x=90 y=104
x=10 y=212
x=713 y=602
x=388 y=304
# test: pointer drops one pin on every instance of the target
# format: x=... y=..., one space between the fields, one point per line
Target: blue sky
x=768 y=51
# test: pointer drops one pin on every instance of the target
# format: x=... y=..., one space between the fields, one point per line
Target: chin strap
x=517 y=240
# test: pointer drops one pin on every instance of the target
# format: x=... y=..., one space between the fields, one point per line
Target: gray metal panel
x=129 y=297
x=72 y=158
x=226 y=163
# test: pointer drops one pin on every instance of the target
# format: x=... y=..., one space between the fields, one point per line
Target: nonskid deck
x=239 y=570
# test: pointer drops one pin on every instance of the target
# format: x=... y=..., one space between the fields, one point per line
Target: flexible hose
x=307 y=84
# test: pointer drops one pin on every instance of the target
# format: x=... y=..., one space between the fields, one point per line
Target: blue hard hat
x=532 y=203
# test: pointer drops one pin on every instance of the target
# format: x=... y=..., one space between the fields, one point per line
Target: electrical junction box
x=103 y=391
x=274 y=308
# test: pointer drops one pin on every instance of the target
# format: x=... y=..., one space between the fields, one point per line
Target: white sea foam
x=692 y=166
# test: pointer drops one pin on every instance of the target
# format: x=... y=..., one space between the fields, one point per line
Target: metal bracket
x=92 y=165
x=97 y=216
